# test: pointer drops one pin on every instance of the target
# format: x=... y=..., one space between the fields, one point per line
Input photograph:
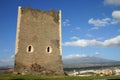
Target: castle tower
x=38 y=42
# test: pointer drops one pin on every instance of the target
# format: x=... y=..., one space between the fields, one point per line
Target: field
x=30 y=77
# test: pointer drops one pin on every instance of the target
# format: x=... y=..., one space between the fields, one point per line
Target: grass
x=31 y=77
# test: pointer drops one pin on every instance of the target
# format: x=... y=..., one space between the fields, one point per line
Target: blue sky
x=89 y=27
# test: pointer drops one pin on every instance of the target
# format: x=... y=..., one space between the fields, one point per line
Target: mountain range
x=87 y=61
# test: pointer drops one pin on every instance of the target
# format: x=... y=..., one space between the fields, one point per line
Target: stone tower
x=38 y=42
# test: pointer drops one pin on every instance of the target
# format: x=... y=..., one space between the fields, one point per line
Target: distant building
x=117 y=72
x=38 y=42
x=104 y=72
x=6 y=70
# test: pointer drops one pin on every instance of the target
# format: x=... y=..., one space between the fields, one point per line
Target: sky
x=89 y=27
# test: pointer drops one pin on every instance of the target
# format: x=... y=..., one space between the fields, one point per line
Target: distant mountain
x=3 y=64
x=87 y=61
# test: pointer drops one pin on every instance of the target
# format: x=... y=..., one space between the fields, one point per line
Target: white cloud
x=99 y=22
x=112 y=2
x=75 y=56
x=97 y=53
x=113 y=42
x=12 y=56
x=116 y=15
x=66 y=22
x=89 y=35
x=94 y=28
x=114 y=21
x=100 y=38
x=82 y=43
x=74 y=38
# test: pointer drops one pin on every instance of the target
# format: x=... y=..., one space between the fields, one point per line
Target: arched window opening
x=30 y=48
x=48 y=49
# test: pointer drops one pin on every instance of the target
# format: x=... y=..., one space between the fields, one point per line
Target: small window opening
x=30 y=49
x=49 y=49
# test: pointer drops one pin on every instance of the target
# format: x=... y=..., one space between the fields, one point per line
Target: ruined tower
x=38 y=42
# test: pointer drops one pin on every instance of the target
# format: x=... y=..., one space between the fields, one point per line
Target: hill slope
x=87 y=61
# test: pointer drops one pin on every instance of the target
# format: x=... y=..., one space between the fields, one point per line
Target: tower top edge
x=19 y=7
x=30 y=8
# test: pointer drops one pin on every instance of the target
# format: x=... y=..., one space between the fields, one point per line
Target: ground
x=30 y=77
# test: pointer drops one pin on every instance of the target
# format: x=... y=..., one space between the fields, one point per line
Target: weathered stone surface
x=38 y=42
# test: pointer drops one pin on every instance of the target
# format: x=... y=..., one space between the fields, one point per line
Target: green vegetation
x=30 y=77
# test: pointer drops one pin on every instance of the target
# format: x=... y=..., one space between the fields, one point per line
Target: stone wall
x=38 y=42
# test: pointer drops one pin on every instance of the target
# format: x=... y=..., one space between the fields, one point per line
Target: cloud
x=74 y=38
x=12 y=56
x=116 y=15
x=97 y=53
x=75 y=56
x=82 y=43
x=113 y=42
x=100 y=38
x=66 y=22
x=112 y=2
x=99 y=22
x=89 y=35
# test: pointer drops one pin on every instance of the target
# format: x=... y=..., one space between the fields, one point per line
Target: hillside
x=88 y=61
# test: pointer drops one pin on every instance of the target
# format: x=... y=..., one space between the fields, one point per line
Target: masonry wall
x=38 y=42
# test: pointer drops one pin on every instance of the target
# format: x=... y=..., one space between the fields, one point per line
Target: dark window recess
x=48 y=49
x=29 y=49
